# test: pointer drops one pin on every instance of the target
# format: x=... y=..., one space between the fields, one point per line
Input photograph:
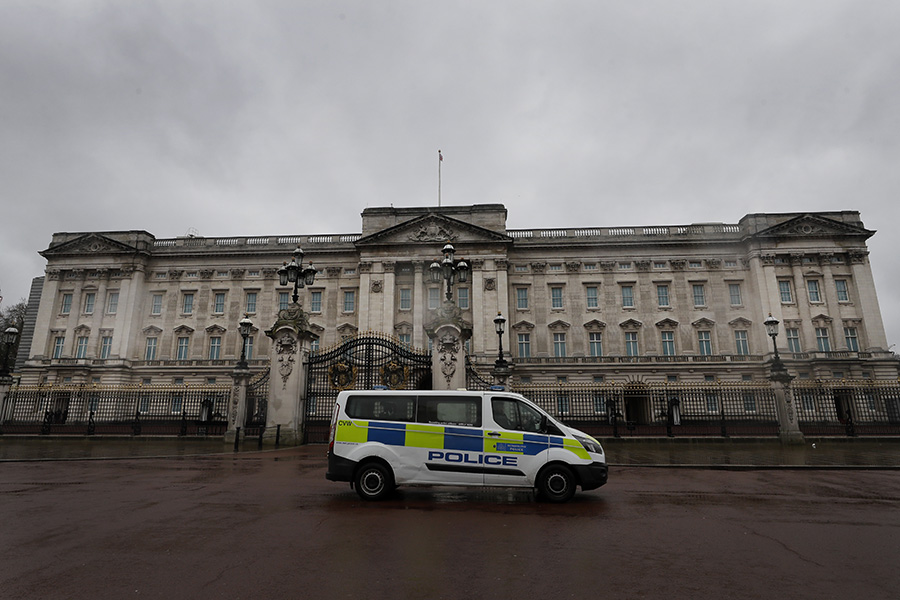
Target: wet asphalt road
x=268 y=525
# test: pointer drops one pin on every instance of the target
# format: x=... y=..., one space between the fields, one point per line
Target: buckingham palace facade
x=660 y=303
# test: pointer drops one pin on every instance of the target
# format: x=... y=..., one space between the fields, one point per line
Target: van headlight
x=590 y=444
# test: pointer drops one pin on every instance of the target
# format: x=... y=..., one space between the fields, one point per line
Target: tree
x=13 y=316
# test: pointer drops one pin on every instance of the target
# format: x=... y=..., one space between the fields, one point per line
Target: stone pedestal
x=448 y=332
x=287 y=379
x=788 y=425
x=237 y=412
x=6 y=408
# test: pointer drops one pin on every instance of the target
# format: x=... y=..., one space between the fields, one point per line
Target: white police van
x=384 y=438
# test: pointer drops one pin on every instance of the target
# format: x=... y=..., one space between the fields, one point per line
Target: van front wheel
x=556 y=483
x=373 y=481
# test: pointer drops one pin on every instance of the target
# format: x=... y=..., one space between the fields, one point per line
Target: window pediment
x=595 y=325
x=215 y=329
x=559 y=324
x=667 y=324
x=704 y=323
x=631 y=324
x=741 y=323
x=184 y=330
x=523 y=325
x=151 y=330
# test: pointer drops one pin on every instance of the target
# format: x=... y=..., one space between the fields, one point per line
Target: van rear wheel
x=374 y=481
x=556 y=483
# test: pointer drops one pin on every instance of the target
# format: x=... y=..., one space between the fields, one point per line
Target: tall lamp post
x=501 y=366
x=449 y=270
x=294 y=272
x=244 y=327
x=9 y=338
x=771 y=324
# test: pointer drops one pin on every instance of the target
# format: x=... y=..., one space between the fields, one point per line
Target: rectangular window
x=81 y=347
x=187 y=304
x=562 y=403
x=659 y=265
x=524 y=345
x=434 y=298
x=705 y=342
x=742 y=346
x=315 y=302
x=668 y=343
x=595 y=342
x=105 y=346
x=314 y=345
x=793 y=339
x=784 y=288
x=156 y=304
x=349 y=301
x=112 y=303
x=813 y=286
x=405 y=299
x=58 y=344
x=699 y=294
x=251 y=302
x=559 y=344
x=694 y=264
x=89 y=303
x=734 y=294
x=556 y=297
x=522 y=298
x=851 y=338
x=822 y=341
x=215 y=347
x=712 y=402
x=150 y=349
x=284 y=300
x=182 y=351
x=592 y=299
x=405 y=338
x=627 y=296
x=462 y=298
x=219 y=302
x=248 y=347
x=662 y=295
x=631 y=343
x=66 y=306
x=624 y=266
x=599 y=403
x=843 y=294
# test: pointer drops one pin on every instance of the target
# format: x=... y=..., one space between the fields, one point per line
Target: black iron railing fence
x=613 y=410
x=847 y=407
x=130 y=409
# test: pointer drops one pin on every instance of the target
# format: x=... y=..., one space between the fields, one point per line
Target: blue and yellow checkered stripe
x=441 y=437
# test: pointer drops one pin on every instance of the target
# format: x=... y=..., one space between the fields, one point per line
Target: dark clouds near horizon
x=222 y=117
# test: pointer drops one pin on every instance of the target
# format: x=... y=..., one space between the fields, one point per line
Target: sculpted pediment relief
x=740 y=322
x=434 y=229
x=89 y=243
x=703 y=323
x=811 y=225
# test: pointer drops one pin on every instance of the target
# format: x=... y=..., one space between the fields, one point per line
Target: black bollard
x=237 y=438
x=277 y=435
x=259 y=442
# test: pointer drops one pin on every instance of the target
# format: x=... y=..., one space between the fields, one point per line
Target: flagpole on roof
x=440 y=160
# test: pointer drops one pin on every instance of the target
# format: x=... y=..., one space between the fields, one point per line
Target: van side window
x=383 y=407
x=450 y=410
x=514 y=415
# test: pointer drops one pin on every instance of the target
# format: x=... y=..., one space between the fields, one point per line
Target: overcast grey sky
x=223 y=116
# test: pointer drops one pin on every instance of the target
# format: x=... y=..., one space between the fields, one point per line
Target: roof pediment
x=813 y=226
x=433 y=228
x=89 y=243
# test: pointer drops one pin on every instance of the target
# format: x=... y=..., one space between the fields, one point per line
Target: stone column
x=237 y=412
x=448 y=332
x=788 y=426
x=288 y=357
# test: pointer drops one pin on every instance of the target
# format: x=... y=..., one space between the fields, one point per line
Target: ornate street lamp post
x=9 y=338
x=771 y=324
x=245 y=325
x=449 y=270
x=294 y=272
x=501 y=366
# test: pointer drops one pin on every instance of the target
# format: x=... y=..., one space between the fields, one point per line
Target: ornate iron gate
x=257 y=403
x=360 y=362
